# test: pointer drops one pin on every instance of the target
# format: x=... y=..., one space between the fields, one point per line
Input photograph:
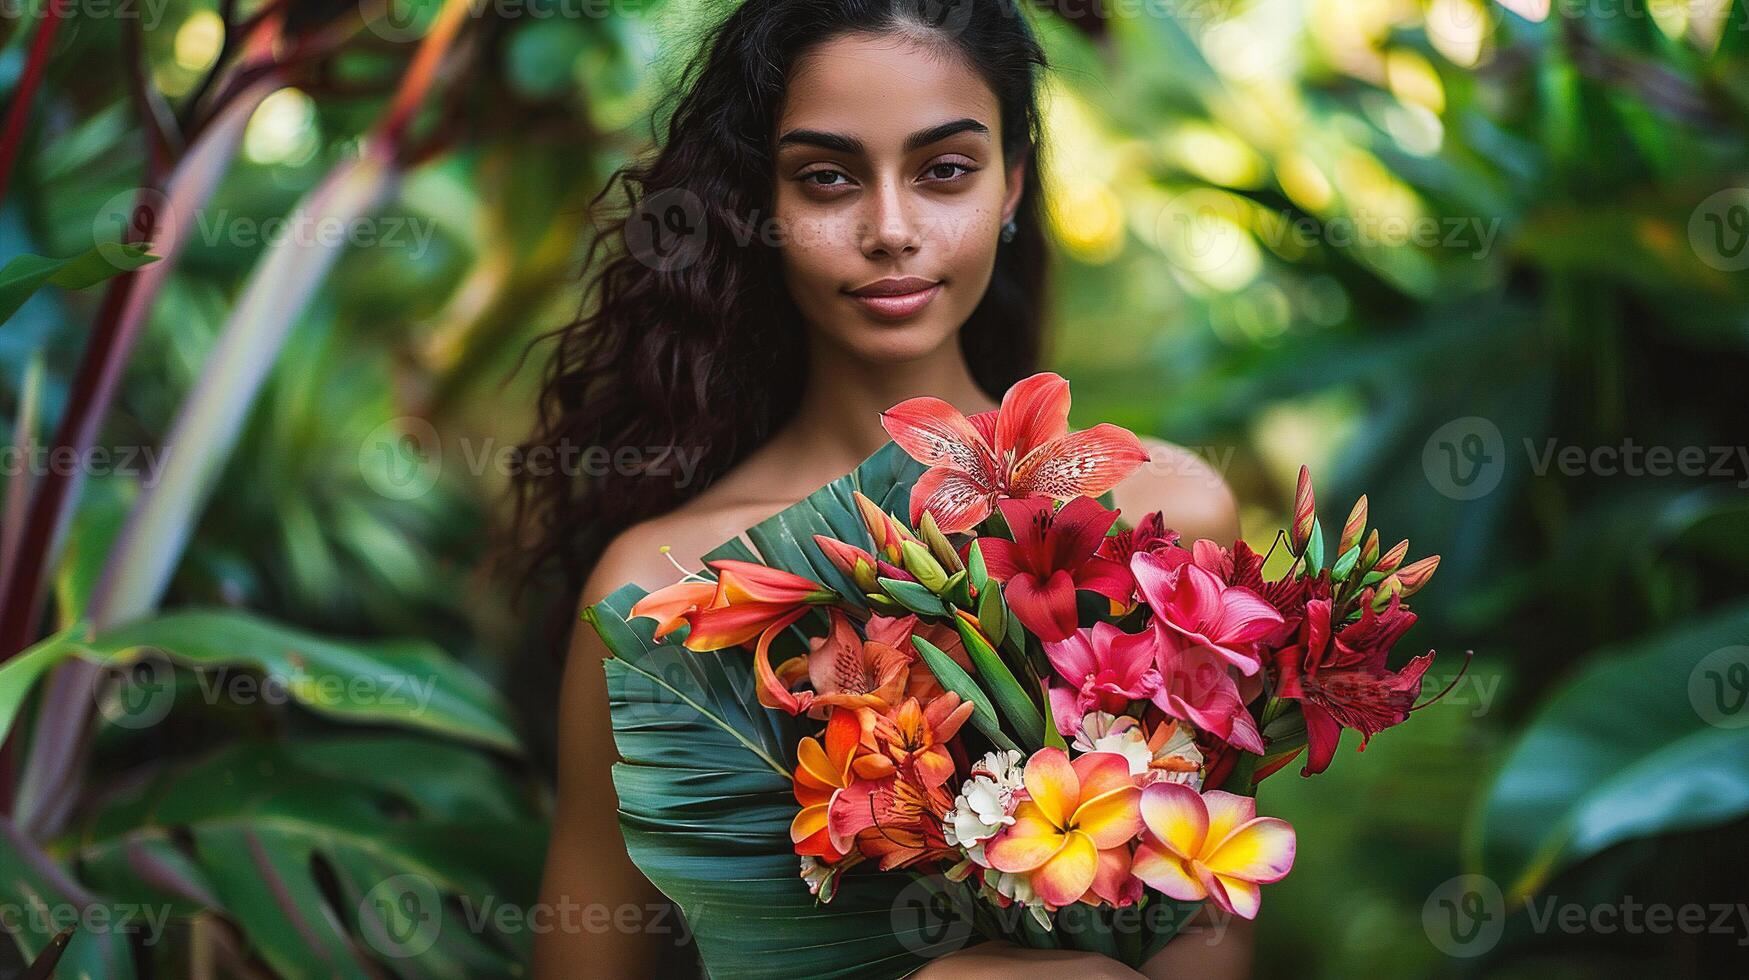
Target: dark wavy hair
x=687 y=336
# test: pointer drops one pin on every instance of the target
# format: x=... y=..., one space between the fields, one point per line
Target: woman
x=845 y=213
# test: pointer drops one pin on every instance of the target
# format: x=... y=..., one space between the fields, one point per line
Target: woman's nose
x=891 y=228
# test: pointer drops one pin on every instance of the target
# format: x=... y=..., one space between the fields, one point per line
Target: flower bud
x=938 y=544
x=1392 y=558
x=851 y=560
x=1305 y=512
x=1356 y=525
x=1392 y=585
x=887 y=532
x=1415 y=576
x=919 y=562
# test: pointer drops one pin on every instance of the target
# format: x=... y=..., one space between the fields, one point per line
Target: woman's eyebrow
x=840 y=143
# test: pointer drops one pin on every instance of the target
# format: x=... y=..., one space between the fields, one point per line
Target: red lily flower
x=1341 y=680
x=1022 y=449
x=1150 y=534
x=1051 y=556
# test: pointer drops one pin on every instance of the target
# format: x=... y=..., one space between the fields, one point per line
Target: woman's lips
x=896 y=299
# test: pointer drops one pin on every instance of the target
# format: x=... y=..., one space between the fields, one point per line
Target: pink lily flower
x=1051 y=556
x=1021 y=449
x=1197 y=686
x=1106 y=669
x=1196 y=604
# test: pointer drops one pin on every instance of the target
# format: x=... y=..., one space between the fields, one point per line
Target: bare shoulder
x=1186 y=488
x=688 y=532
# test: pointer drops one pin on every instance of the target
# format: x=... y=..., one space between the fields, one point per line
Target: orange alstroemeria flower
x=878 y=672
x=1022 y=449
x=822 y=772
x=1071 y=836
x=1211 y=845
x=912 y=737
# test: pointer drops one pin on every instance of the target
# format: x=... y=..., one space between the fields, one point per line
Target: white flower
x=1000 y=888
x=816 y=874
x=1184 y=757
x=1176 y=761
x=985 y=803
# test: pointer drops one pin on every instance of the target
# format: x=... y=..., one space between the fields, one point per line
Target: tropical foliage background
x=268 y=267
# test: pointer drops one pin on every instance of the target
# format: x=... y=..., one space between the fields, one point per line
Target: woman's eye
x=946 y=170
x=825 y=178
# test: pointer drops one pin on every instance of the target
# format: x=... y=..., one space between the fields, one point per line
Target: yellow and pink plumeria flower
x=1071 y=836
x=1210 y=845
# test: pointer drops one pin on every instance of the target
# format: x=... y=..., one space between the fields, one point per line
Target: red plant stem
x=19 y=111
x=42 y=525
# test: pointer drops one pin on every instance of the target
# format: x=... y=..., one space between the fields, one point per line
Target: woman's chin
x=897 y=342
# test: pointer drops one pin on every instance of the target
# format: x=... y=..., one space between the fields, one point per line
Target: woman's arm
x=1005 y=961
x=607 y=918
x=1212 y=946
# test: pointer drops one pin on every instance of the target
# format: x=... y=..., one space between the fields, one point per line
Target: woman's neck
x=838 y=419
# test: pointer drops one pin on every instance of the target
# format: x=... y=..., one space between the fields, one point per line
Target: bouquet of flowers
x=1001 y=713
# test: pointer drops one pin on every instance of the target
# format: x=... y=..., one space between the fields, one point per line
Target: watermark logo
x=402 y=916
x=137 y=694
x=401 y=458
x=397 y=21
x=1718 y=230
x=136 y=214
x=927 y=919
x=1200 y=230
x=667 y=230
x=1718 y=687
x=1465 y=458
x=950 y=17
x=1465 y=915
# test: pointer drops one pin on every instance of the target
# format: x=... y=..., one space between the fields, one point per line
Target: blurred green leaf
x=1631 y=747
x=25 y=274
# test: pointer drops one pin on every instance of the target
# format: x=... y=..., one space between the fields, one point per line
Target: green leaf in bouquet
x=955 y=679
x=1315 y=549
x=958 y=591
x=939 y=546
x=1053 y=737
x=706 y=802
x=1017 y=635
x=1028 y=724
x=992 y=613
x=978 y=573
x=884 y=605
x=1083 y=927
x=914 y=596
x=786 y=539
x=1345 y=564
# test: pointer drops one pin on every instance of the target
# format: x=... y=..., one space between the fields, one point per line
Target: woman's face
x=891 y=192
